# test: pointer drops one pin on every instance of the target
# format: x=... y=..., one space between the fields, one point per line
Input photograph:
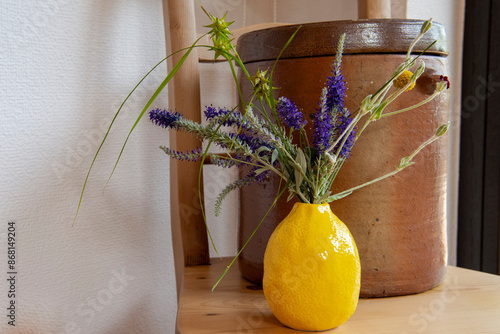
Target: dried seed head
x=403 y=80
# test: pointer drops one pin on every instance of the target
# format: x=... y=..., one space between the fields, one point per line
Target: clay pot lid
x=362 y=37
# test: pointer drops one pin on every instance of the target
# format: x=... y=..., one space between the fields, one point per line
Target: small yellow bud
x=442 y=129
x=426 y=26
x=403 y=80
x=441 y=86
x=367 y=104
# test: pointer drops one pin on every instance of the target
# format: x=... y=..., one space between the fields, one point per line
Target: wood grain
x=374 y=9
x=467 y=302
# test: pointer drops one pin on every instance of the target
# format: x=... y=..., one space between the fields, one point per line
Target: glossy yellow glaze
x=311 y=269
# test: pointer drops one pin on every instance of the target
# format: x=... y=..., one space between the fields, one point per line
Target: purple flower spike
x=336 y=87
x=262 y=177
x=344 y=122
x=234 y=119
x=327 y=115
x=289 y=113
x=164 y=118
x=253 y=143
x=212 y=112
x=192 y=155
x=323 y=130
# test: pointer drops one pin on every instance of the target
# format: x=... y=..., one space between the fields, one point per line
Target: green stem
x=337 y=167
x=348 y=191
x=251 y=235
x=405 y=162
x=235 y=160
x=430 y=98
x=164 y=83
x=343 y=134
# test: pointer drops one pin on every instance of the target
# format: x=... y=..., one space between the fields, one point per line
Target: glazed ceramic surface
x=399 y=224
x=311 y=269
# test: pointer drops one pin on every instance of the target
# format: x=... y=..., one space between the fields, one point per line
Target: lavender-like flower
x=174 y=120
x=250 y=178
x=164 y=118
x=192 y=155
x=336 y=87
x=262 y=177
x=329 y=125
x=323 y=127
x=226 y=117
x=331 y=105
x=236 y=160
x=290 y=114
x=343 y=123
x=254 y=143
x=212 y=112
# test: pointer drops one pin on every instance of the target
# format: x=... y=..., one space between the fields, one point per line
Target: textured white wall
x=64 y=67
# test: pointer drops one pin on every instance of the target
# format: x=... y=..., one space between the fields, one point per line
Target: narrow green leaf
x=298 y=179
x=271 y=97
x=153 y=97
x=140 y=116
x=107 y=133
x=274 y=156
x=301 y=160
x=405 y=162
x=262 y=148
x=261 y=170
x=338 y=196
x=200 y=173
x=324 y=197
x=285 y=173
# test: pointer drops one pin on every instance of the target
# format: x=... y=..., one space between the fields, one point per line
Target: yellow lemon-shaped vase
x=311 y=269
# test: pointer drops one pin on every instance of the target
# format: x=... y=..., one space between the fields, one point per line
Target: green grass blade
x=271 y=97
x=254 y=231
x=151 y=100
x=169 y=77
x=200 y=173
x=107 y=133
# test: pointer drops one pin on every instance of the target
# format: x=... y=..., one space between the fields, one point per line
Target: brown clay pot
x=399 y=224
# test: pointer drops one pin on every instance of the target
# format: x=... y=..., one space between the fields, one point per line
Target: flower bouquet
x=267 y=134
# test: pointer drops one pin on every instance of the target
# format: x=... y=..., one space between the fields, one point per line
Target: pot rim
x=380 y=36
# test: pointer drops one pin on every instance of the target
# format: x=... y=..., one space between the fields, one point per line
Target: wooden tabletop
x=467 y=302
